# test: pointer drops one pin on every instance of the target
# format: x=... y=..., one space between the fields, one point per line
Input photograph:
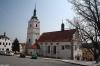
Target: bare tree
x=86 y=32
x=89 y=11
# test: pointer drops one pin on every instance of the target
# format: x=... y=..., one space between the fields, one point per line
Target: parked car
x=9 y=53
x=2 y=52
x=34 y=56
x=22 y=55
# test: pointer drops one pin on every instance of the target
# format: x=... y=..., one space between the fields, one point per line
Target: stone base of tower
x=29 y=50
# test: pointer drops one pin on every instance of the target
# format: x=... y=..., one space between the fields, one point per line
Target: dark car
x=22 y=55
x=2 y=53
x=34 y=56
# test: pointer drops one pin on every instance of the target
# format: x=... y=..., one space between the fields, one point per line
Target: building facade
x=33 y=31
x=59 y=44
x=5 y=43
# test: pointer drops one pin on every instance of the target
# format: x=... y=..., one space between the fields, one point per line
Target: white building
x=59 y=44
x=5 y=43
x=33 y=32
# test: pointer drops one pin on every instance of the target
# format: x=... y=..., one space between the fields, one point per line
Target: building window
x=51 y=43
x=67 y=46
x=2 y=48
x=63 y=48
x=54 y=49
x=45 y=43
x=29 y=40
x=9 y=43
x=57 y=43
x=36 y=25
x=0 y=43
x=30 y=25
x=48 y=49
x=7 y=49
x=6 y=43
x=75 y=47
x=3 y=43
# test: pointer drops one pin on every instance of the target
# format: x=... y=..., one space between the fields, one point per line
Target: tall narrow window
x=9 y=43
x=0 y=43
x=29 y=40
x=54 y=49
x=36 y=25
x=62 y=47
x=48 y=49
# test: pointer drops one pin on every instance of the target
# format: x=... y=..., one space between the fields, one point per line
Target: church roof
x=57 y=36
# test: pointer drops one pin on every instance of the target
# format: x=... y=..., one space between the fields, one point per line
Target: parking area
x=16 y=61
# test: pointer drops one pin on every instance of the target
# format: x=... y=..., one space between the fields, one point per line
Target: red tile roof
x=57 y=36
x=34 y=46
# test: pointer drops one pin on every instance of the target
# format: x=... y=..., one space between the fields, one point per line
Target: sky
x=15 y=14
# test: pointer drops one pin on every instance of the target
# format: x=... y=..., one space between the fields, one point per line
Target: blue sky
x=15 y=14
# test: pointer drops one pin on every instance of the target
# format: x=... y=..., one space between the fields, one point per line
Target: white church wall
x=65 y=53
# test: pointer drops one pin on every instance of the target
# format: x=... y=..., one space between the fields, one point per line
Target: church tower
x=33 y=30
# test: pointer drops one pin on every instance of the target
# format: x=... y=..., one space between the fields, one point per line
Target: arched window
x=3 y=43
x=9 y=43
x=6 y=43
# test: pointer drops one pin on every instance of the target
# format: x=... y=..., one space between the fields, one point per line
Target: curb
x=80 y=62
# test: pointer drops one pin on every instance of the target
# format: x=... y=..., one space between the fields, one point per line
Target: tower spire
x=34 y=11
x=62 y=26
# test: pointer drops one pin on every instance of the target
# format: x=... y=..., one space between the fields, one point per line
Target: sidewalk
x=89 y=63
x=84 y=63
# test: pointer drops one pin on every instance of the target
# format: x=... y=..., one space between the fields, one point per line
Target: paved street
x=16 y=61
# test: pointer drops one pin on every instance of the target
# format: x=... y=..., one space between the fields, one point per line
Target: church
x=33 y=32
x=59 y=44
